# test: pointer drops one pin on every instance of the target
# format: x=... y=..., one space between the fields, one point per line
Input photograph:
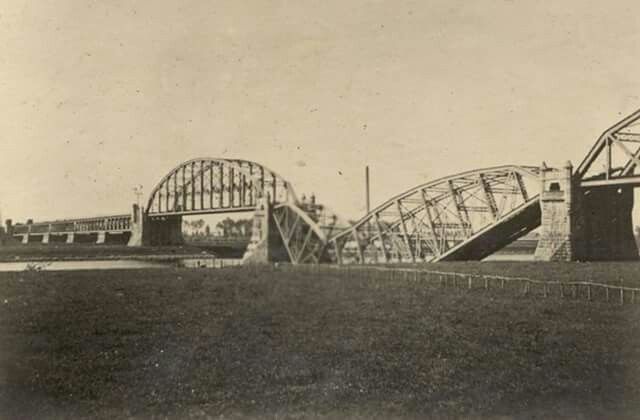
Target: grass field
x=244 y=343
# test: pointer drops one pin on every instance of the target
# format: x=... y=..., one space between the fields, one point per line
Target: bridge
x=583 y=214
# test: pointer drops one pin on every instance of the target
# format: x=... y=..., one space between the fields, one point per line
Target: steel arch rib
x=239 y=165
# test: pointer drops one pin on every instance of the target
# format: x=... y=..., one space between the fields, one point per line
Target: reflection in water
x=186 y=262
x=509 y=257
x=116 y=264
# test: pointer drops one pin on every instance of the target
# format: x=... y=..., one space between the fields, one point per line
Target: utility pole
x=366 y=175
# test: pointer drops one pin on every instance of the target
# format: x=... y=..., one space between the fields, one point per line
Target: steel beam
x=628 y=181
x=202 y=185
x=376 y=218
x=457 y=202
x=193 y=186
x=488 y=195
x=404 y=231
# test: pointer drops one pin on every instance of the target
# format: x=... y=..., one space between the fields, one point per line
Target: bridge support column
x=166 y=230
x=156 y=231
x=266 y=244
x=70 y=238
x=102 y=237
x=137 y=226
x=558 y=222
x=25 y=238
x=607 y=225
x=45 y=238
x=7 y=235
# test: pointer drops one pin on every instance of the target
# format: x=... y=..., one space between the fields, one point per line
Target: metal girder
x=629 y=180
x=458 y=202
x=426 y=221
x=237 y=183
x=488 y=195
x=602 y=141
x=376 y=219
x=436 y=249
x=521 y=187
x=303 y=239
x=405 y=235
x=625 y=131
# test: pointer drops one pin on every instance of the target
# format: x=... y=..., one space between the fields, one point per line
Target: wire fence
x=589 y=291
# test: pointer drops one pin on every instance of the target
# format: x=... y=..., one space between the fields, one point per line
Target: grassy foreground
x=240 y=343
x=596 y=272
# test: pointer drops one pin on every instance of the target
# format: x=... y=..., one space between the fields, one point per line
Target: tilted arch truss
x=213 y=185
x=305 y=228
x=432 y=221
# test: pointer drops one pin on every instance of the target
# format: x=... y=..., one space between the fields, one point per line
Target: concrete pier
x=266 y=244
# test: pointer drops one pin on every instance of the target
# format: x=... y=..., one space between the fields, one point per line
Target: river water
x=186 y=262
x=116 y=264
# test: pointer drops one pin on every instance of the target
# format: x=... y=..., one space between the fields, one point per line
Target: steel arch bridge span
x=459 y=217
x=214 y=185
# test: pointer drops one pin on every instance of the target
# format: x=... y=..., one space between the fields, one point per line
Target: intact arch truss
x=464 y=216
x=213 y=185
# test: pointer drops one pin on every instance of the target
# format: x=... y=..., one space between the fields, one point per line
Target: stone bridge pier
x=266 y=245
x=584 y=224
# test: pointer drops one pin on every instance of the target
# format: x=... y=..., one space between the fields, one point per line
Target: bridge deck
x=496 y=236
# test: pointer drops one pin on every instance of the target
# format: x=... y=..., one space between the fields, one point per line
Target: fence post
x=502 y=283
x=606 y=289
x=621 y=292
x=589 y=292
x=470 y=280
x=486 y=283
x=544 y=288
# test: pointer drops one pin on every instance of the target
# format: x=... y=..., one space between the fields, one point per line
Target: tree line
x=227 y=228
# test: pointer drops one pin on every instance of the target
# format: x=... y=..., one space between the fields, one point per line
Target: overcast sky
x=99 y=96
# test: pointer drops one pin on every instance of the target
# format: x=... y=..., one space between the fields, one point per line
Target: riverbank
x=256 y=343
